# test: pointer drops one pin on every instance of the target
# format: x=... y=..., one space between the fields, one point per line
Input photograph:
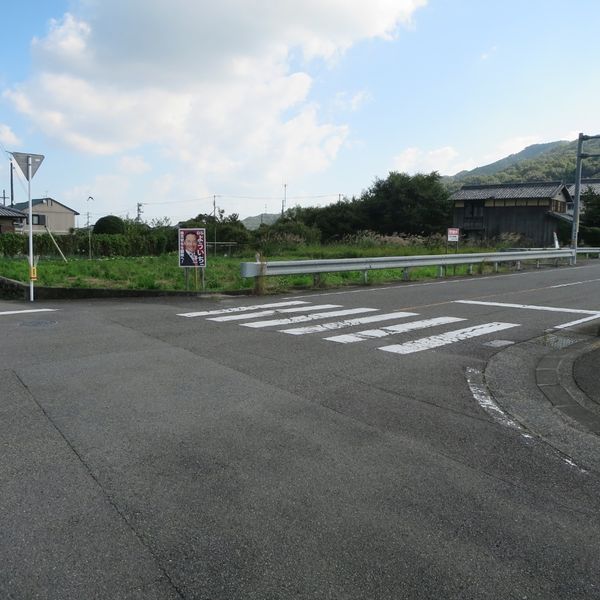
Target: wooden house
x=531 y=210
x=11 y=220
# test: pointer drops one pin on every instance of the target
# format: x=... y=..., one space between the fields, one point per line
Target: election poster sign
x=192 y=247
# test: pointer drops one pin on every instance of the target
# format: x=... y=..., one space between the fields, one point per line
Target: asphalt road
x=151 y=455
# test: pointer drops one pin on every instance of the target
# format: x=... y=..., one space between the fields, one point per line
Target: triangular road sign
x=21 y=158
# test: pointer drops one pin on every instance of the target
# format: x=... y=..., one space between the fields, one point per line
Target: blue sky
x=170 y=102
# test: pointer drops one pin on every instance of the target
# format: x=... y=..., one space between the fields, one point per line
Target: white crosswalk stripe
x=392 y=330
x=268 y=313
x=236 y=309
x=325 y=327
x=30 y=310
x=305 y=318
x=301 y=311
x=436 y=341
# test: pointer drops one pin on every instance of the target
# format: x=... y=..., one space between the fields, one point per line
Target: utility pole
x=576 y=207
x=4 y=196
x=139 y=212
x=12 y=189
x=215 y=218
x=283 y=202
x=89 y=229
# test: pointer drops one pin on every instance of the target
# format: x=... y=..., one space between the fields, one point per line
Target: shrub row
x=153 y=243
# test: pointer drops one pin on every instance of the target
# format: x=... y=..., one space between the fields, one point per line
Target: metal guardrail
x=589 y=251
x=298 y=267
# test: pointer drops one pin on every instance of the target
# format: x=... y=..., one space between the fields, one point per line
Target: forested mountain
x=554 y=161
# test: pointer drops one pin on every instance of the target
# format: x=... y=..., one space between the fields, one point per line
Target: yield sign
x=21 y=158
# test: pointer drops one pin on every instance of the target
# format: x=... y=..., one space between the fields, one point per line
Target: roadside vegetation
x=399 y=216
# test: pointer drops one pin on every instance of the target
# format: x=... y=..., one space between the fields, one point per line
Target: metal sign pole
x=28 y=168
x=31 y=267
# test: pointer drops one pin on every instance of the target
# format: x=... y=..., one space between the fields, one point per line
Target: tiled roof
x=36 y=201
x=585 y=184
x=6 y=211
x=509 y=191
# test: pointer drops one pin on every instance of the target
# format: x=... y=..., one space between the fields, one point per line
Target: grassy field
x=221 y=275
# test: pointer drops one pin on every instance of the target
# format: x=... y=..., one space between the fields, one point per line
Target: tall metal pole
x=284 y=199
x=575 y=229
x=12 y=190
x=215 y=218
x=89 y=229
x=31 y=265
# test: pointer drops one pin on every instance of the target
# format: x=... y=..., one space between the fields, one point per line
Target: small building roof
x=36 y=201
x=594 y=184
x=7 y=211
x=510 y=191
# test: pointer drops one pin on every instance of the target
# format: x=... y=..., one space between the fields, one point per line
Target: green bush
x=110 y=225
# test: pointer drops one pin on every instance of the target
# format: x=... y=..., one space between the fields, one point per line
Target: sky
x=183 y=105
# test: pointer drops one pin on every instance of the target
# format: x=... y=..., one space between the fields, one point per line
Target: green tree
x=110 y=224
x=417 y=204
x=591 y=214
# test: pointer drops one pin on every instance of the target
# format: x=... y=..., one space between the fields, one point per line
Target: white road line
x=31 y=310
x=268 y=313
x=323 y=327
x=391 y=330
x=485 y=400
x=435 y=341
x=305 y=318
x=578 y=322
x=530 y=307
x=223 y=311
x=575 y=283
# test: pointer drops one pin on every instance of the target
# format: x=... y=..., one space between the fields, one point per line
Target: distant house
x=531 y=210
x=586 y=184
x=11 y=220
x=49 y=213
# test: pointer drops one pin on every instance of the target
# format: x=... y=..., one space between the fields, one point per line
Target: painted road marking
x=224 y=311
x=324 y=327
x=484 y=399
x=391 y=330
x=305 y=318
x=575 y=283
x=578 y=311
x=269 y=313
x=436 y=341
x=578 y=322
x=31 y=310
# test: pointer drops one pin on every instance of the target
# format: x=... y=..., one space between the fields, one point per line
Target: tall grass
x=223 y=273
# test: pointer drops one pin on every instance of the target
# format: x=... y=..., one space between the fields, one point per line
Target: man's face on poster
x=190 y=243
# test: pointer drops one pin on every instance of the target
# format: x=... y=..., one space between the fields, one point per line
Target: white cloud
x=208 y=84
x=489 y=53
x=133 y=165
x=7 y=136
x=445 y=160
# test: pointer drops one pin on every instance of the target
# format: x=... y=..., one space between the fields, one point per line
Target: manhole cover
x=557 y=342
x=37 y=323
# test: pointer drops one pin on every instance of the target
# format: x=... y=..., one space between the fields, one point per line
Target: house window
x=474 y=209
x=38 y=219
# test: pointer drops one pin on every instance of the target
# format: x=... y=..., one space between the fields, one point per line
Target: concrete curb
x=554 y=377
x=517 y=386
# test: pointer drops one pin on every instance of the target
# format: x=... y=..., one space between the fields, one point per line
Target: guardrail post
x=365 y=277
x=471 y=269
x=260 y=280
x=406 y=274
x=317 y=280
x=496 y=267
x=440 y=271
x=537 y=264
x=518 y=265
